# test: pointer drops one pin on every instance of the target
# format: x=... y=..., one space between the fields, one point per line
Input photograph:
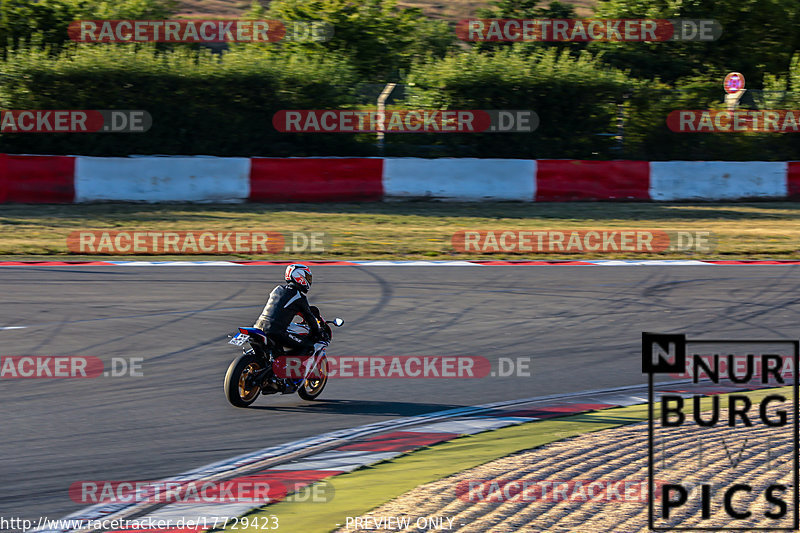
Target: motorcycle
x=266 y=368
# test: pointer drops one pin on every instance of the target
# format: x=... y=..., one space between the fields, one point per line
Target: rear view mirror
x=338 y=322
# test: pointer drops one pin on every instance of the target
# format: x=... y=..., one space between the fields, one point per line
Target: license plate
x=239 y=339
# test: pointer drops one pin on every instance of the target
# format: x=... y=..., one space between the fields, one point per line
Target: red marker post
x=734 y=89
x=734 y=82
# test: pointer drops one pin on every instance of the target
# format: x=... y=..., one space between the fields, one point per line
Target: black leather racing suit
x=285 y=302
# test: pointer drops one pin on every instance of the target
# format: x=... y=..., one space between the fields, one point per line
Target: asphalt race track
x=580 y=325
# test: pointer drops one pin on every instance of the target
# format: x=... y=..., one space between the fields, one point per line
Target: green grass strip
x=366 y=488
x=407 y=230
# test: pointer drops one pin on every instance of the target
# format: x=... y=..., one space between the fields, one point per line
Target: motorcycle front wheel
x=240 y=387
x=313 y=385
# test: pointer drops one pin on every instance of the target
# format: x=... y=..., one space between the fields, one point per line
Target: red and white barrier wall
x=67 y=179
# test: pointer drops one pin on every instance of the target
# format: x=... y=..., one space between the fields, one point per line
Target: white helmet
x=300 y=275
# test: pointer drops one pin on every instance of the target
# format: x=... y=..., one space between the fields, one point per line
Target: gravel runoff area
x=553 y=500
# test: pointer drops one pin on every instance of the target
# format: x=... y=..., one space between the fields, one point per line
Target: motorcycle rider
x=285 y=302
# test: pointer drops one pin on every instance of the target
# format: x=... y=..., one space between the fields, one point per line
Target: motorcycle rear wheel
x=238 y=390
